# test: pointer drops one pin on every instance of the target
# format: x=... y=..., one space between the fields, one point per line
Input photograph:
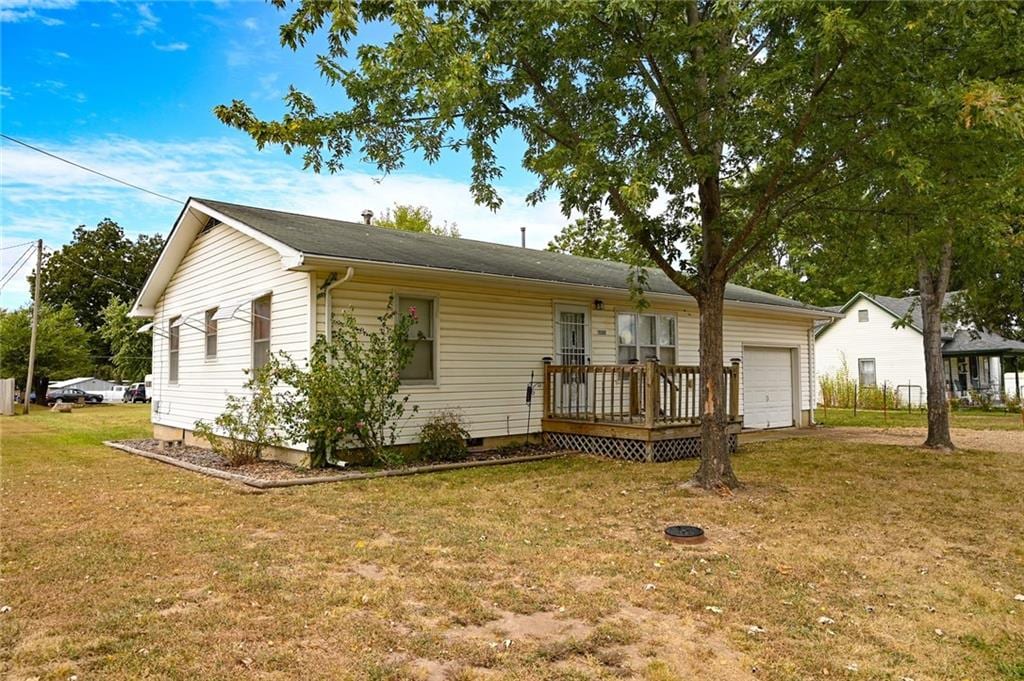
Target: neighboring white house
x=880 y=341
x=235 y=283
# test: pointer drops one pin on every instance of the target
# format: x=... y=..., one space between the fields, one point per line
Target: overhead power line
x=15 y=268
x=78 y=263
x=90 y=170
x=24 y=243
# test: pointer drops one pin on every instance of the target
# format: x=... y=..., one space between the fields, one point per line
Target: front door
x=572 y=348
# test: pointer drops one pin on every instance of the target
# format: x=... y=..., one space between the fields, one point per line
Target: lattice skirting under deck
x=631 y=450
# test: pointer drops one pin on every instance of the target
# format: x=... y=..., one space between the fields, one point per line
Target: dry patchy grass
x=119 y=567
x=972 y=419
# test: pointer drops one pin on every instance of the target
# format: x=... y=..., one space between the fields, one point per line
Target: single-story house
x=235 y=283
x=880 y=340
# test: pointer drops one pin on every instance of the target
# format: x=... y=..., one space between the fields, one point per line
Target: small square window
x=862 y=315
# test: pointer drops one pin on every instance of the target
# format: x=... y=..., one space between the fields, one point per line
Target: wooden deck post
x=651 y=378
x=547 y=390
x=734 y=390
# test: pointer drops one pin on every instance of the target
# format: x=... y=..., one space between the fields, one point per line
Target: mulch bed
x=268 y=473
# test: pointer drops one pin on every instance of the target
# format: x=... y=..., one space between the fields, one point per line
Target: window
x=862 y=315
x=211 y=334
x=260 y=332
x=421 y=335
x=646 y=336
x=866 y=371
x=173 y=341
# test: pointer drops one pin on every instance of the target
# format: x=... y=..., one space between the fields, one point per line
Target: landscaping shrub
x=348 y=394
x=1012 y=402
x=248 y=424
x=443 y=437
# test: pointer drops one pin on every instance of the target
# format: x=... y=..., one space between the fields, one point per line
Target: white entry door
x=768 y=387
x=572 y=348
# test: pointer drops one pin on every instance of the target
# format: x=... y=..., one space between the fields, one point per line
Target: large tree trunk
x=715 y=470
x=933 y=282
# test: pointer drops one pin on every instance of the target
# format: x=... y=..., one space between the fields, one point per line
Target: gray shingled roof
x=957 y=341
x=966 y=342
x=357 y=241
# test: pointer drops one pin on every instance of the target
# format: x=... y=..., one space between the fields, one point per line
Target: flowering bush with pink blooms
x=348 y=397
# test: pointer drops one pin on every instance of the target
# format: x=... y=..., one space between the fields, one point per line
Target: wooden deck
x=639 y=412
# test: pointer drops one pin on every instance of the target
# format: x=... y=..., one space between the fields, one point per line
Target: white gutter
x=324 y=261
x=328 y=308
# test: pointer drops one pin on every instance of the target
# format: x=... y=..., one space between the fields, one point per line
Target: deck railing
x=649 y=394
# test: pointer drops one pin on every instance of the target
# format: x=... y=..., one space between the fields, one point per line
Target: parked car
x=72 y=395
x=136 y=393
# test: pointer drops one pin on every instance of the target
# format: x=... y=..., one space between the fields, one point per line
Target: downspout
x=328 y=308
x=329 y=325
x=811 y=359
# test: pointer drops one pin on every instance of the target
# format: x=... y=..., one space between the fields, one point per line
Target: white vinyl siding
x=222 y=266
x=491 y=337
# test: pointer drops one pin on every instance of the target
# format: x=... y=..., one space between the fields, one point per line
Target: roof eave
x=311 y=262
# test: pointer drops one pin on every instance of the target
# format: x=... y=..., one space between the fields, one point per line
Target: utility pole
x=35 y=323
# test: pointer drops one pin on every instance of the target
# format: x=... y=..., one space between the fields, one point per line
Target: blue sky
x=129 y=88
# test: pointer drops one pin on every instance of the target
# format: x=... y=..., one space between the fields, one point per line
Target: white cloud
x=62 y=55
x=5 y=92
x=171 y=47
x=47 y=198
x=13 y=11
x=251 y=24
x=147 y=20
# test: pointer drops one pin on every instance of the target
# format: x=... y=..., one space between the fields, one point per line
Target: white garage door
x=767 y=387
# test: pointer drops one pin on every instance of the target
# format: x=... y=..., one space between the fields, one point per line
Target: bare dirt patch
x=514 y=626
x=1002 y=441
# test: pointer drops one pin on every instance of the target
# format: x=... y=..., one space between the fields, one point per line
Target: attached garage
x=769 y=387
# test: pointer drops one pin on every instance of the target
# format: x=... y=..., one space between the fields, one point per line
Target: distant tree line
x=87 y=288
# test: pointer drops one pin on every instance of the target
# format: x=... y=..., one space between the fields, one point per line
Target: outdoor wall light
x=598 y=304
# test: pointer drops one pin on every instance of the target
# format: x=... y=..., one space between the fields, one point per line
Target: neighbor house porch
x=638 y=412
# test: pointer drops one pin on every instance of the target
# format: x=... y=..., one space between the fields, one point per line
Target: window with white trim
x=173 y=345
x=862 y=315
x=260 y=332
x=421 y=368
x=866 y=373
x=211 y=334
x=646 y=336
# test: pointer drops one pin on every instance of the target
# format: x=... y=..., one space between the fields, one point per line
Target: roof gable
x=300 y=237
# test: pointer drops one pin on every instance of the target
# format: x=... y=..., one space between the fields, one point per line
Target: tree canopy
x=132 y=351
x=702 y=126
x=600 y=238
x=414 y=219
x=62 y=345
x=96 y=266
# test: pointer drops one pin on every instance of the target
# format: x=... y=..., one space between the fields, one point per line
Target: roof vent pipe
x=367 y=216
x=522 y=232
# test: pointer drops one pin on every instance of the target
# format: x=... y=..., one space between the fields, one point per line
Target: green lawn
x=971 y=419
x=116 y=567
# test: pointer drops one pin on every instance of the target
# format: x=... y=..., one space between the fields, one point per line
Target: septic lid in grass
x=685 y=534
